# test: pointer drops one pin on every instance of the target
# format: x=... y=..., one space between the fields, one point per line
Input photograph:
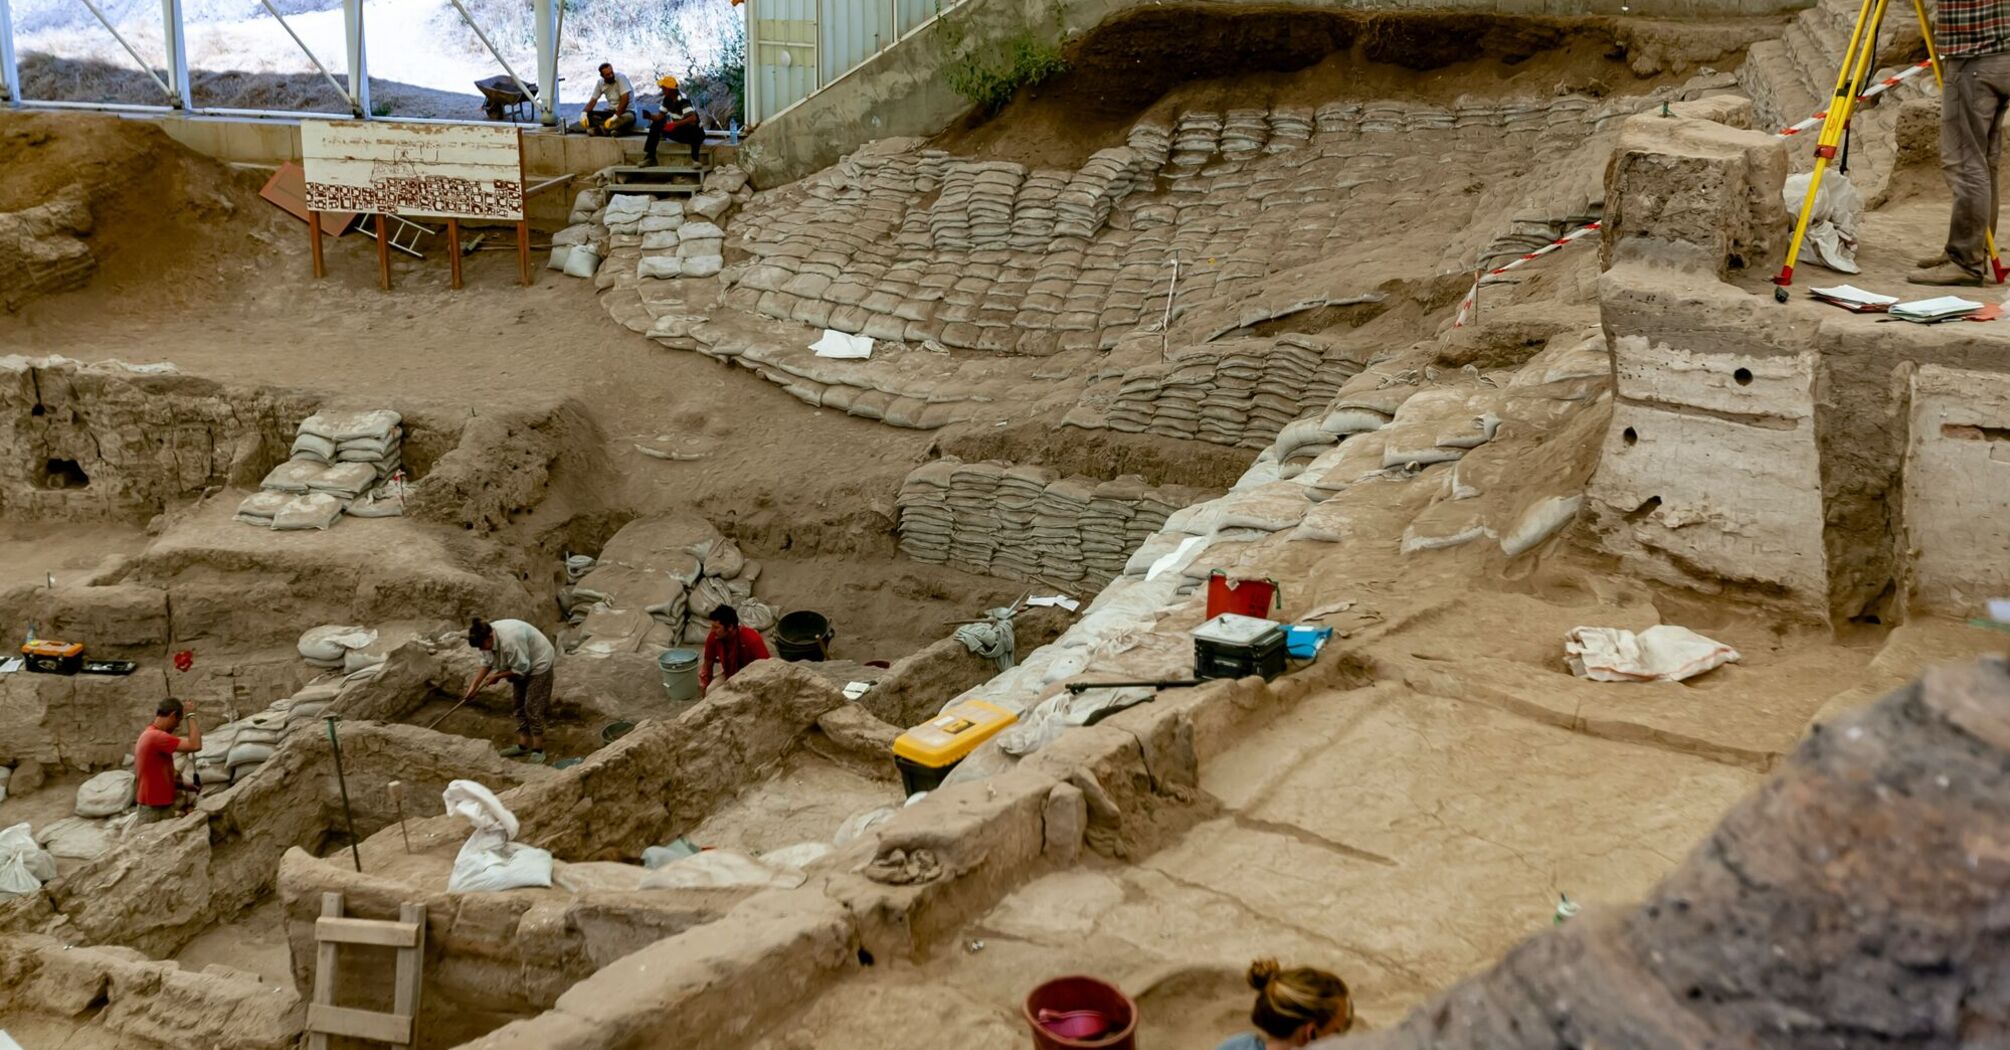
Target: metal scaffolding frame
x=178 y=96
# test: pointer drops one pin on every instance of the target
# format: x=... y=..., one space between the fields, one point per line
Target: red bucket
x=1242 y=597
x=1081 y=1013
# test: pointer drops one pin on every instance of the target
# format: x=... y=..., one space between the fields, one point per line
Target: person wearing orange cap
x=676 y=121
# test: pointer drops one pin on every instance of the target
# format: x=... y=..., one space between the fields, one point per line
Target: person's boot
x=514 y=750
x=1937 y=259
x=649 y=160
x=1946 y=275
x=535 y=758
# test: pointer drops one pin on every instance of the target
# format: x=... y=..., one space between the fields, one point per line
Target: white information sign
x=463 y=171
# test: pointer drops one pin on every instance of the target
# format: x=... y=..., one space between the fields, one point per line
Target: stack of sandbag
x=337 y=458
x=333 y=647
x=1245 y=132
x=654 y=585
x=233 y=749
x=926 y=526
x=107 y=794
x=1195 y=137
x=1290 y=128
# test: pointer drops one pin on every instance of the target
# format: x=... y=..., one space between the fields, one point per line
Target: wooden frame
x=407 y=936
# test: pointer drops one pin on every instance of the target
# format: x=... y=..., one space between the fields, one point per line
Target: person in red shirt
x=729 y=645
x=155 y=785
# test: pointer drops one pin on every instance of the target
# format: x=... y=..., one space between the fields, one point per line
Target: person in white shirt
x=515 y=652
x=620 y=96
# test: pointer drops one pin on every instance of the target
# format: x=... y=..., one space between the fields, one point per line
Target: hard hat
x=667 y=82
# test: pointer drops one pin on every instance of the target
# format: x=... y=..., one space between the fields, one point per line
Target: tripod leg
x=1861 y=56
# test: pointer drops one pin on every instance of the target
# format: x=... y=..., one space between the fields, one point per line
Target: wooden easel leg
x=454 y=250
x=383 y=255
x=314 y=244
x=523 y=251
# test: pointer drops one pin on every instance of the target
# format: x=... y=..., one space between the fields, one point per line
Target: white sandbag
x=316 y=510
x=76 y=838
x=1832 y=224
x=627 y=208
x=700 y=231
x=390 y=454
x=589 y=201
x=330 y=642
x=703 y=265
x=859 y=824
x=598 y=876
x=245 y=753
x=796 y=857
x=660 y=266
x=1342 y=421
x=665 y=207
x=292 y=476
x=663 y=240
x=559 y=254
x=720 y=868
x=660 y=224
x=578 y=233
x=313 y=446
x=583 y=261
x=24 y=866
x=356 y=660
x=344 y=479
x=1539 y=523
x=348 y=426
x=1662 y=653
x=105 y=794
x=693 y=249
x=489 y=860
x=259 y=507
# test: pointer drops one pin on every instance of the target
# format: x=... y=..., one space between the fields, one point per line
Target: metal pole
x=396 y=789
x=144 y=67
x=342 y=783
x=545 y=29
x=10 y=74
x=359 y=69
x=177 y=53
x=484 y=38
x=302 y=44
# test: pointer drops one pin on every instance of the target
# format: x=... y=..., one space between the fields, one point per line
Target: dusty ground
x=254 y=942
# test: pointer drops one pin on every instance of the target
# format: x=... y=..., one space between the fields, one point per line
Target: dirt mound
x=1171 y=58
x=136 y=208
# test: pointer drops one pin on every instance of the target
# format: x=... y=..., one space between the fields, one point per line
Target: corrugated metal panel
x=853 y=31
x=783 y=55
x=914 y=12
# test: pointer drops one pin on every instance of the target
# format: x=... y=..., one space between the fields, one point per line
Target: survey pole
x=359 y=69
x=10 y=73
x=176 y=44
x=545 y=22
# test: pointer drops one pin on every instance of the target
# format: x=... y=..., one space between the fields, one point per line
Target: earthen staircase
x=1793 y=77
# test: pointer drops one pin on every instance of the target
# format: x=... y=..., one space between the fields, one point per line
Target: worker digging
x=924 y=555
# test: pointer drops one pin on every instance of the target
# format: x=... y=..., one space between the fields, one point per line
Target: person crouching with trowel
x=515 y=652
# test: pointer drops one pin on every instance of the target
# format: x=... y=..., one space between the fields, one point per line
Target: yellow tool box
x=925 y=754
x=49 y=656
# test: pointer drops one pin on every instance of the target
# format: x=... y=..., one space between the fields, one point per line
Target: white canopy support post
x=546 y=14
x=174 y=41
x=141 y=62
x=359 y=70
x=302 y=45
x=10 y=74
x=484 y=38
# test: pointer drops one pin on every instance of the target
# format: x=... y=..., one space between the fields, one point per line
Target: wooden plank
x=366 y=931
x=523 y=253
x=287 y=188
x=359 y=1024
x=324 y=967
x=411 y=974
x=314 y=241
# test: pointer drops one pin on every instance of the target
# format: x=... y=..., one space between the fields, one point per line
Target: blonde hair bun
x=1262 y=972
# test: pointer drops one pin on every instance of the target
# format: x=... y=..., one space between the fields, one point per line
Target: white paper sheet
x=842 y=346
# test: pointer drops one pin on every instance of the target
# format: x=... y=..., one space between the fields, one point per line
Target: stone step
x=1778 y=91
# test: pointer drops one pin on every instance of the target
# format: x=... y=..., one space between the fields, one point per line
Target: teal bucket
x=680 y=674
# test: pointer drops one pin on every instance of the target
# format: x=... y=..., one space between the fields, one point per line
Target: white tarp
x=1658 y=654
x=842 y=346
x=24 y=866
x=1832 y=225
x=489 y=860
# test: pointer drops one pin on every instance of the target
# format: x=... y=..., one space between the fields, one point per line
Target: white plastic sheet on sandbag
x=24 y=866
x=559 y=254
x=329 y=643
x=1832 y=225
x=1539 y=523
x=105 y=794
x=488 y=860
x=720 y=868
x=1662 y=653
x=796 y=857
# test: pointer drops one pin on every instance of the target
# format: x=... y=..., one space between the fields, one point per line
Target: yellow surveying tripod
x=1859 y=61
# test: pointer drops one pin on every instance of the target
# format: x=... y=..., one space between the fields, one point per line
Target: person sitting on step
x=729 y=645
x=676 y=121
x=620 y=96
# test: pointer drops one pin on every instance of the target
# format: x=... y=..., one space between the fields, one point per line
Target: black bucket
x=803 y=635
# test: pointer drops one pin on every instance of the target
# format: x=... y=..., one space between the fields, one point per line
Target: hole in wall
x=1743 y=377
x=63 y=474
x=1630 y=436
x=39 y=411
x=864 y=957
x=1644 y=509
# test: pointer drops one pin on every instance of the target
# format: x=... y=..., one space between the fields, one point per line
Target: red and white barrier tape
x=1879 y=88
x=1466 y=305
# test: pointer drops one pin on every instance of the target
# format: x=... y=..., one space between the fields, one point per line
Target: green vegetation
x=990 y=76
